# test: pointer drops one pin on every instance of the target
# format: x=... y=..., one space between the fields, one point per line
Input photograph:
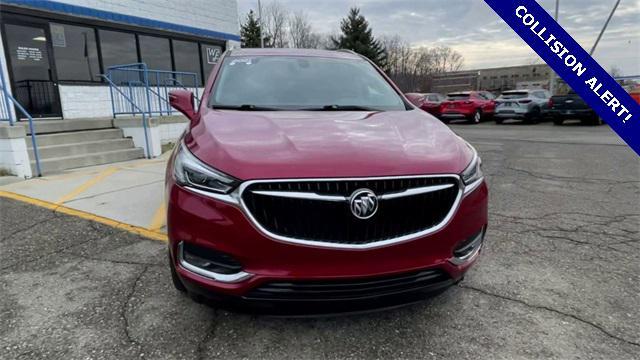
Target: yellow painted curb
x=138 y=230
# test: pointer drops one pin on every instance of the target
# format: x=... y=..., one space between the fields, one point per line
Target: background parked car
x=471 y=105
x=429 y=102
x=571 y=106
x=525 y=105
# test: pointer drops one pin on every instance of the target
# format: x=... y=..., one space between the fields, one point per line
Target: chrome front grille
x=319 y=212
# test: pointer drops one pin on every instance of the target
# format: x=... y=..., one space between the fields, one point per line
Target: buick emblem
x=363 y=203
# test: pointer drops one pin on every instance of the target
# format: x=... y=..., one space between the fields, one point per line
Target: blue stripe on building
x=68 y=9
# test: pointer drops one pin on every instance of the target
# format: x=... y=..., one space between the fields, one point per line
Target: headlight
x=189 y=171
x=473 y=172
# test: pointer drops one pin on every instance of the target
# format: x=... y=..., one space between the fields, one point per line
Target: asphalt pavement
x=559 y=276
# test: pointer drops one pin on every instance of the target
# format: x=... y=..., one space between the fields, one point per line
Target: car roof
x=519 y=91
x=461 y=93
x=336 y=54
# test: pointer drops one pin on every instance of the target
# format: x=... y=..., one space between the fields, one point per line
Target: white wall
x=85 y=101
x=214 y=15
x=170 y=132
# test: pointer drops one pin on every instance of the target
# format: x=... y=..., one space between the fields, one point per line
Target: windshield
x=302 y=83
x=514 y=95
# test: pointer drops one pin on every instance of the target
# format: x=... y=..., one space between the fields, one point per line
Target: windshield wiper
x=342 y=108
x=245 y=107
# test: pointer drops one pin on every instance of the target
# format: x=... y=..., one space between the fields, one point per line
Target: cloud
x=472 y=28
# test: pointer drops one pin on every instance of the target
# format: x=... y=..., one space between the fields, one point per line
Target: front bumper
x=207 y=222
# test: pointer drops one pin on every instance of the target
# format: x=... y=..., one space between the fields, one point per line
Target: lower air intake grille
x=351 y=289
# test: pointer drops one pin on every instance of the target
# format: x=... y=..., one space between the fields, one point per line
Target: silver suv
x=526 y=105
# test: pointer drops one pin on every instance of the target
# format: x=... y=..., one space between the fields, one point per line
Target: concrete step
x=86 y=148
x=59 y=164
x=76 y=137
x=57 y=126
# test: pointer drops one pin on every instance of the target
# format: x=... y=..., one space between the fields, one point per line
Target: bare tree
x=412 y=68
x=446 y=59
x=615 y=71
x=275 y=22
x=301 y=33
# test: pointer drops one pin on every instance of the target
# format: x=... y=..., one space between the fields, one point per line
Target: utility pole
x=604 y=27
x=552 y=74
x=261 y=25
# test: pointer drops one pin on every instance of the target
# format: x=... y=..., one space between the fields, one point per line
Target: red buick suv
x=306 y=182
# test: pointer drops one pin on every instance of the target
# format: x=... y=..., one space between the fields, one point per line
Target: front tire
x=533 y=117
x=499 y=121
x=557 y=121
x=596 y=121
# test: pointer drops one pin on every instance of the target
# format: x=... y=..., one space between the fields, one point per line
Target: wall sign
x=57 y=35
x=573 y=64
x=28 y=53
x=213 y=53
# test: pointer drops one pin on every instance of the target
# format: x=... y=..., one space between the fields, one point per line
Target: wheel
x=596 y=120
x=177 y=283
x=476 y=117
x=444 y=120
x=499 y=121
x=533 y=117
x=557 y=121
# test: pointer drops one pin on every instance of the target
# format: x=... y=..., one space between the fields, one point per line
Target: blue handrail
x=7 y=115
x=146 y=87
x=133 y=106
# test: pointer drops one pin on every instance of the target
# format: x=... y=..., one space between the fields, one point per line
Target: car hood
x=305 y=144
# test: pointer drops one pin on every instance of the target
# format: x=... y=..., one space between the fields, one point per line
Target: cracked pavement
x=559 y=277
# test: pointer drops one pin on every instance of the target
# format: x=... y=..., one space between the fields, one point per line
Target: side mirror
x=183 y=100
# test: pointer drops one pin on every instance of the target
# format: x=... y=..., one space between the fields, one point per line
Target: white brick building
x=53 y=52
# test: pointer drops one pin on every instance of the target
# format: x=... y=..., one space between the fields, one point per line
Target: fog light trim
x=475 y=245
x=226 y=278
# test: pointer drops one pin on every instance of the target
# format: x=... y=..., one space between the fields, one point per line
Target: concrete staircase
x=68 y=144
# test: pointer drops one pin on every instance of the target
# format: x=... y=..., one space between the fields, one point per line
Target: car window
x=454 y=96
x=514 y=95
x=293 y=83
x=433 y=98
x=488 y=95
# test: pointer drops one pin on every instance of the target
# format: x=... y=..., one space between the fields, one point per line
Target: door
x=31 y=69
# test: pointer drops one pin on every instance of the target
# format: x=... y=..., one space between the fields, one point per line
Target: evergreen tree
x=357 y=36
x=250 y=31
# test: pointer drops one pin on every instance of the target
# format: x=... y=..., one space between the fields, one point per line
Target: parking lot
x=559 y=276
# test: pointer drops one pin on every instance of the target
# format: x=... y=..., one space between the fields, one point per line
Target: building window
x=75 y=53
x=210 y=55
x=118 y=48
x=155 y=52
x=186 y=58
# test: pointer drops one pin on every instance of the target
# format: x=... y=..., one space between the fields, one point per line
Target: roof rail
x=348 y=51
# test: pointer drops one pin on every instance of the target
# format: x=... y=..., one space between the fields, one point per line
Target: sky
x=474 y=30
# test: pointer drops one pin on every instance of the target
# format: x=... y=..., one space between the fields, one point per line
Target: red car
x=471 y=105
x=429 y=102
x=306 y=182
